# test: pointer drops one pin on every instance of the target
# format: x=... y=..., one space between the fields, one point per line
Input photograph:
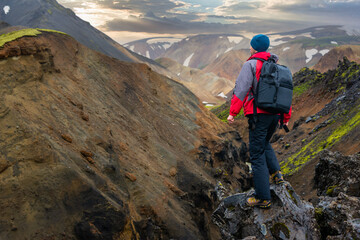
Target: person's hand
x=286 y=124
x=230 y=119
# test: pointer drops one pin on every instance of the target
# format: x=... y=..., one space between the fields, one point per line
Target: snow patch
x=178 y=74
x=310 y=53
x=205 y=102
x=166 y=45
x=228 y=50
x=209 y=105
x=221 y=37
x=277 y=42
x=235 y=40
x=187 y=39
x=6 y=9
x=187 y=61
x=324 y=51
x=147 y=54
x=333 y=42
x=217 y=55
x=222 y=95
x=285 y=49
x=132 y=48
x=308 y=34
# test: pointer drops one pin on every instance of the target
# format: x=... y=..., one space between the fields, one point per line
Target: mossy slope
x=29 y=32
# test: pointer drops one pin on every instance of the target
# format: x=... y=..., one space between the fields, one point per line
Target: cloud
x=152 y=24
x=213 y=16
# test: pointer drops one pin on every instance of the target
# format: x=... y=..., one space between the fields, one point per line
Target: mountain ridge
x=92 y=148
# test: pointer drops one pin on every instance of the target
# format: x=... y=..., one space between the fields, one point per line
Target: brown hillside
x=95 y=148
x=332 y=58
x=229 y=64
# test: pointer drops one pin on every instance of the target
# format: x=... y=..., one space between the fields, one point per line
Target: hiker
x=262 y=125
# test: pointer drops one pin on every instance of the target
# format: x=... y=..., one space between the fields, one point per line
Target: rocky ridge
x=332 y=58
x=334 y=215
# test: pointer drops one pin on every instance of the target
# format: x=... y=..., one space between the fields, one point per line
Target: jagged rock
x=338 y=172
x=339 y=217
x=288 y=218
x=337 y=178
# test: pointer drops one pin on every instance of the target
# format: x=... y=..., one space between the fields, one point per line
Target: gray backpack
x=275 y=88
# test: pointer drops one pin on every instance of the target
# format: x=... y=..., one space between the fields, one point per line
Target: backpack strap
x=255 y=115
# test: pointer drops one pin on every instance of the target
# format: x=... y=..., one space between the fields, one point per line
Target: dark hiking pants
x=262 y=155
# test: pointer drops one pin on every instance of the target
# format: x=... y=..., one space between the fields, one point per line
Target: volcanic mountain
x=96 y=148
x=332 y=58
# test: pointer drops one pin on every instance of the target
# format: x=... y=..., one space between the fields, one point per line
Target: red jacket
x=242 y=96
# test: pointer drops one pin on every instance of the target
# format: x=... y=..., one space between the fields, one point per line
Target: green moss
x=8 y=37
x=343 y=130
x=319 y=214
x=277 y=228
x=340 y=89
x=316 y=145
x=300 y=89
x=291 y=193
x=50 y=30
x=330 y=190
x=29 y=32
x=49 y=11
x=223 y=115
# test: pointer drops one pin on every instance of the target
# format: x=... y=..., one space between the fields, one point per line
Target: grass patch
x=8 y=37
x=29 y=32
x=50 y=30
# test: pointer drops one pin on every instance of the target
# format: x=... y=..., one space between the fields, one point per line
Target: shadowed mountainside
x=95 y=148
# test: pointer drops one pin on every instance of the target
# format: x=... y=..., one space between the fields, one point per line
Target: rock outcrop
x=288 y=218
x=337 y=180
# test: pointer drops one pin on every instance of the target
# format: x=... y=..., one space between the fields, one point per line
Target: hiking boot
x=277 y=178
x=254 y=202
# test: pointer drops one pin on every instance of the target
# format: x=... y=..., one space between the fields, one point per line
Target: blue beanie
x=260 y=42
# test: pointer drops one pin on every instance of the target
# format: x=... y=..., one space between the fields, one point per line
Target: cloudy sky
x=128 y=20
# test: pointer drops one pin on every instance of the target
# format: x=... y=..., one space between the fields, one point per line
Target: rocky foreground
x=335 y=215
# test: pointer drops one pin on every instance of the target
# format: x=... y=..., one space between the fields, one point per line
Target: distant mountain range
x=296 y=49
x=196 y=51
